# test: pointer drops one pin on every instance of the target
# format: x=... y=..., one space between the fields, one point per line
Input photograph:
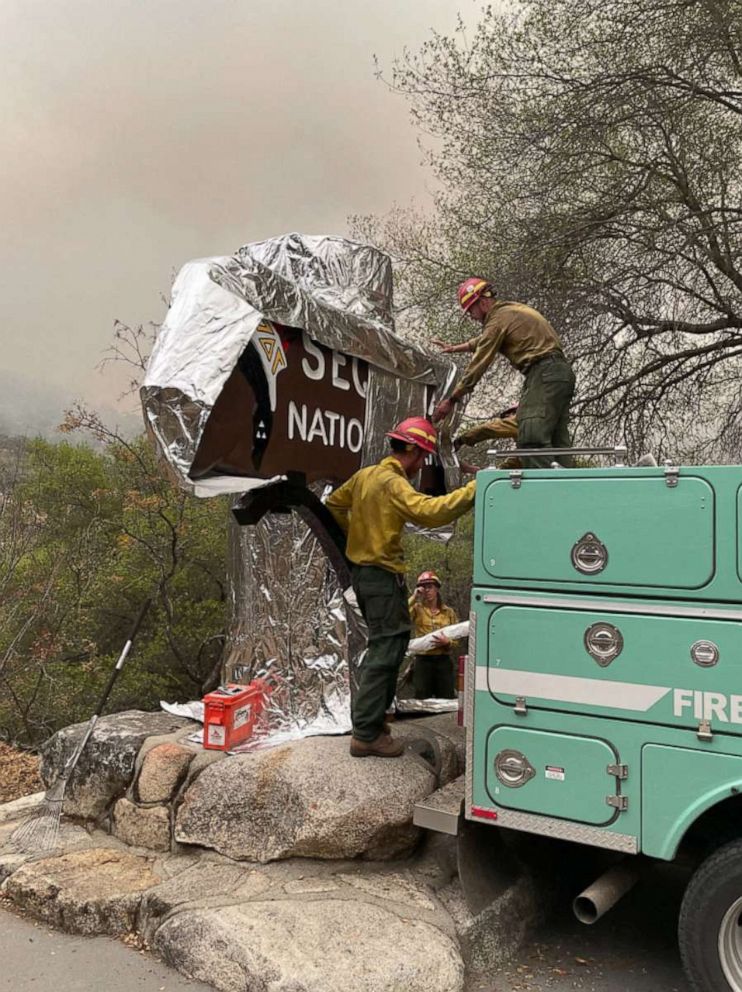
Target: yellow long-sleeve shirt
x=373 y=506
x=424 y=622
x=517 y=331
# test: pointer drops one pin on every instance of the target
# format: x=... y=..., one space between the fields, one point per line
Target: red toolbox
x=230 y=713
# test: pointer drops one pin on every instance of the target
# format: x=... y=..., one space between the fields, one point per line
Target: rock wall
x=269 y=869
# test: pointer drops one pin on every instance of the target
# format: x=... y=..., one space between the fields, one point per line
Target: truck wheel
x=710 y=925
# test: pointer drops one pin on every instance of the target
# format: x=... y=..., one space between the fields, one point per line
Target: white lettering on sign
x=361 y=387
x=332 y=419
x=318 y=428
x=354 y=435
x=309 y=346
x=325 y=426
x=316 y=369
x=708 y=705
x=337 y=361
x=295 y=423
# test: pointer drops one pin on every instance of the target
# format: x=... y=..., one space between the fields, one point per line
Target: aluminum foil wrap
x=290 y=623
x=291 y=627
x=338 y=291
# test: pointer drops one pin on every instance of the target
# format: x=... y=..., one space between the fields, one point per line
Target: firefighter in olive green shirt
x=372 y=507
x=529 y=342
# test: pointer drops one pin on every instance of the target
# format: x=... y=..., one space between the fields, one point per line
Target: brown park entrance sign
x=291 y=405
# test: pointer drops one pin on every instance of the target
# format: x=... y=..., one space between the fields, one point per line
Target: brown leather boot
x=383 y=747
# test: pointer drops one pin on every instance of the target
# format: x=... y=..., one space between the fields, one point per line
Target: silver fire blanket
x=292 y=627
x=337 y=291
x=290 y=623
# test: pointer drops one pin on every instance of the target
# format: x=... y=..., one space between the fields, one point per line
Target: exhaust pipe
x=605 y=892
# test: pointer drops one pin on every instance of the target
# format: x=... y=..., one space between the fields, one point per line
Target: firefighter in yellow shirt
x=432 y=671
x=372 y=507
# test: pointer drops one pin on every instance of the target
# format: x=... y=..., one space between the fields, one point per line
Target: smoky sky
x=137 y=135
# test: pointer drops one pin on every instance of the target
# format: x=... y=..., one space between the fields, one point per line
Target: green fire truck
x=603 y=685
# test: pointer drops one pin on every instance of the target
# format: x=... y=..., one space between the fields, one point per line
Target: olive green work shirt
x=373 y=506
x=517 y=331
x=499 y=427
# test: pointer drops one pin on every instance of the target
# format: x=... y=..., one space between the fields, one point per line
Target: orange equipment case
x=230 y=713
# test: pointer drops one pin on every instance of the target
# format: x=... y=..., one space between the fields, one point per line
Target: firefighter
x=432 y=670
x=532 y=346
x=373 y=507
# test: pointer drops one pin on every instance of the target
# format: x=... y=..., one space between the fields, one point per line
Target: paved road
x=632 y=949
x=36 y=959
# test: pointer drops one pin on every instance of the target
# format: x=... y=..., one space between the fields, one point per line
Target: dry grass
x=19 y=774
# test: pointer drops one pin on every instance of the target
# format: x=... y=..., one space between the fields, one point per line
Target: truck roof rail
x=618 y=453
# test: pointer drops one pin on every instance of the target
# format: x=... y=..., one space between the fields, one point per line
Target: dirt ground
x=19 y=774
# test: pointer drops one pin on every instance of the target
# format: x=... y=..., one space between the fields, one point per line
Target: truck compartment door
x=630 y=532
x=671 y=670
x=552 y=774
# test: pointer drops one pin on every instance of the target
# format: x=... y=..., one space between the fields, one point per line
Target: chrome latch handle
x=589 y=555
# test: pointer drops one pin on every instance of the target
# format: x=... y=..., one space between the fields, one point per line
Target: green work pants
x=543 y=411
x=432 y=676
x=382 y=597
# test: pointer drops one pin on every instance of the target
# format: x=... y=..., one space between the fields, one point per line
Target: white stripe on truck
x=569 y=689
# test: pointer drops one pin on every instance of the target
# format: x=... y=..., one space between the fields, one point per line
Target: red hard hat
x=428 y=577
x=471 y=290
x=417 y=431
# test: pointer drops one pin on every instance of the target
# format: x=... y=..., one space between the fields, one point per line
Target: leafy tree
x=85 y=536
x=588 y=158
x=450 y=560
